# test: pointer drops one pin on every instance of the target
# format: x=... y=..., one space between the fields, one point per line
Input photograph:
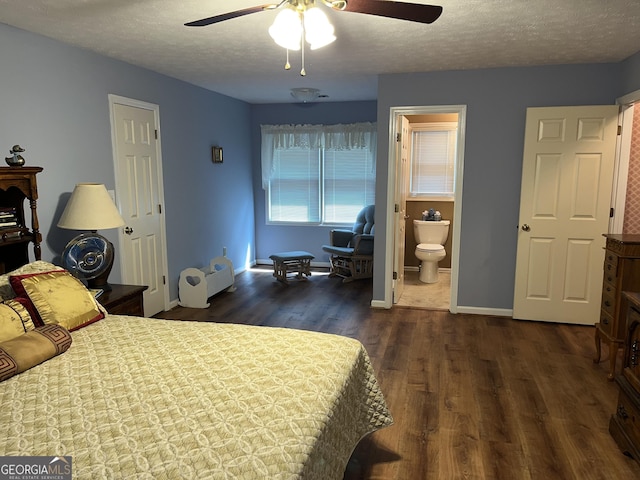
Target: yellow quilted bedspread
x=149 y=398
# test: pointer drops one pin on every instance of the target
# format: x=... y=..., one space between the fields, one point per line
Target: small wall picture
x=216 y=154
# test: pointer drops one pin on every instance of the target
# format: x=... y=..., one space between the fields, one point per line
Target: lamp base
x=101 y=280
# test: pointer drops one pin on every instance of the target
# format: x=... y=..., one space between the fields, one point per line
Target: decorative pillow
x=14 y=320
x=6 y=292
x=32 y=348
x=59 y=298
x=21 y=295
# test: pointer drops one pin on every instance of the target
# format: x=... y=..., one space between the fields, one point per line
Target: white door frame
x=394 y=119
x=621 y=167
x=116 y=99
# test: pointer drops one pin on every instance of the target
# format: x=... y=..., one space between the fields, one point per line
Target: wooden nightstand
x=123 y=300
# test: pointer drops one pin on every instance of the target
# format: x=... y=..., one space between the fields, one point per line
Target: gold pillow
x=61 y=299
x=14 y=320
x=6 y=292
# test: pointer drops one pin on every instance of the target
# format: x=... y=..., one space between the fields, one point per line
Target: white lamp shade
x=90 y=207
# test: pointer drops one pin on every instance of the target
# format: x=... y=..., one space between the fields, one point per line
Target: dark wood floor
x=473 y=396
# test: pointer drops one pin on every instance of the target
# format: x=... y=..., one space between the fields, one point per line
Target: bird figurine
x=15 y=160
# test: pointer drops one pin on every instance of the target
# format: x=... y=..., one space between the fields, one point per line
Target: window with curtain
x=433 y=156
x=318 y=174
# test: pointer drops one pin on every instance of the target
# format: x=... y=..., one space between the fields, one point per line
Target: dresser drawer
x=608 y=302
x=610 y=257
x=610 y=272
x=124 y=300
x=609 y=289
x=606 y=323
x=132 y=306
x=628 y=415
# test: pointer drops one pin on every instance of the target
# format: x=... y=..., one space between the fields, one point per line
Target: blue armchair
x=351 y=251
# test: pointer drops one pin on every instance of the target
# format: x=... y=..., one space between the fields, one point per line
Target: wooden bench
x=296 y=261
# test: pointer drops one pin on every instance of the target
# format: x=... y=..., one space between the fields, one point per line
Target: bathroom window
x=433 y=155
x=318 y=174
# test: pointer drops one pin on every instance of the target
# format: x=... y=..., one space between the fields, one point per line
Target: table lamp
x=89 y=255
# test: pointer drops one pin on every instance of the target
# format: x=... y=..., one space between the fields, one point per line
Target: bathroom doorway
x=410 y=205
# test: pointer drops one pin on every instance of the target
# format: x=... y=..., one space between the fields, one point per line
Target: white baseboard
x=378 y=304
x=498 y=312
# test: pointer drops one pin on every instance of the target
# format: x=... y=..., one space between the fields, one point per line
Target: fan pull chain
x=287 y=66
x=303 y=72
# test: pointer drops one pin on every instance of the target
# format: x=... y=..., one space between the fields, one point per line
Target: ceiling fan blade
x=228 y=16
x=413 y=12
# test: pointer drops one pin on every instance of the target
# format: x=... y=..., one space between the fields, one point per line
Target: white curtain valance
x=338 y=137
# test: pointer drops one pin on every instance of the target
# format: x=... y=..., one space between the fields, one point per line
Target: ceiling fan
x=383 y=8
x=301 y=19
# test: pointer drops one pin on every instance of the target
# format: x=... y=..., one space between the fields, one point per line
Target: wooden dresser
x=624 y=425
x=621 y=273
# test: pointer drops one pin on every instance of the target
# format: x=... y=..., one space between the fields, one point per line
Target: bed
x=132 y=397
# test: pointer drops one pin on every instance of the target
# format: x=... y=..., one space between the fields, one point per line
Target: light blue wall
x=631 y=74
x=496 y=102
x=54 y=103
x=269 y=238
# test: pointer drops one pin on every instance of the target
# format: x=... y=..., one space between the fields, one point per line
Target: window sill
x=430 y=198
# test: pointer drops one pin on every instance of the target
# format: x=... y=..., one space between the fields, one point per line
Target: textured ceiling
x=238 y=58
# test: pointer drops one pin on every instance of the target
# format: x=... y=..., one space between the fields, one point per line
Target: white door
x=403 y=143
x=567 y=176
x=140 y=198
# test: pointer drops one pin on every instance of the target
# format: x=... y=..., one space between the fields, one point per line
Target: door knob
x=526 y=227
x=128 y=230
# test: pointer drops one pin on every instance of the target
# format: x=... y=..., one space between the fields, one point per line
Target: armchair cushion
x=365 y=220
x=340 y=238
x=362 y=244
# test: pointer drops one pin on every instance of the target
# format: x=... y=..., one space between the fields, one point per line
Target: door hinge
x=619 y=129
x=396 y=208
x=159 y=208
x=164 y=280
x=611 y=212
x=398 y=137
x=156 y=131
x=395 y=275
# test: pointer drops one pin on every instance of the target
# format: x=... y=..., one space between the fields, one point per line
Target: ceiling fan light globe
x=286 y=29
x=321 y=42
x=315 y=20
x=318 y=30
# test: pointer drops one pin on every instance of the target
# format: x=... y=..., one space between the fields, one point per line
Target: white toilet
x=430 y=237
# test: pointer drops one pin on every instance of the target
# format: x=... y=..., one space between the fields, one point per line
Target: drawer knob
x=605 y=321
x=622 y=413
x=607 y=303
